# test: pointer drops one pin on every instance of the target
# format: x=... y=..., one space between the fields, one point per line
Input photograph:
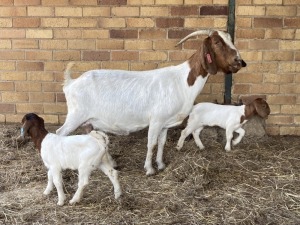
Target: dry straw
x=257 y=183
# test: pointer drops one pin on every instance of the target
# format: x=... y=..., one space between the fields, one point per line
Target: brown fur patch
x=242 y=119
x=34 y=127
x=196 y=67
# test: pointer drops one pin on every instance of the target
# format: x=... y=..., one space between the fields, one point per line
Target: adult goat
x=121 y=102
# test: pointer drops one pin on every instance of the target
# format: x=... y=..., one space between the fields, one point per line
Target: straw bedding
x=256 y=183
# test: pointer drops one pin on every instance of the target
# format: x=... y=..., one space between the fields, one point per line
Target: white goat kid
x=83 y=152
x=229 y=117
x=121 y=102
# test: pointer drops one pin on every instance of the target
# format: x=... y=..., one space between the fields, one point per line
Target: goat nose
x=244 y=64
x=241 y=62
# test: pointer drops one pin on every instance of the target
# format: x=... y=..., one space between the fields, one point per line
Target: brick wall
x=39 y=37
x=268 y=35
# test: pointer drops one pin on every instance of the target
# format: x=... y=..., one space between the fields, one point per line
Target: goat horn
x=199 y=32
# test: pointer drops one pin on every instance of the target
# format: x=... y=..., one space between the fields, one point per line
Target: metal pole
x=230 y=29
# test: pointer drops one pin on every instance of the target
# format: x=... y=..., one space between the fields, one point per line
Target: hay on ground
x=256 y=183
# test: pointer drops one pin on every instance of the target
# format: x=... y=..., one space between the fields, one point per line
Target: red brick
x=112 y=2
x=26 y=22
x=30 y=66
x=7 y=108
x=175 y=34
x=125 y=55
x=152 y=34
x=96 y=55
x=124 y=34
x=169 y=22
x=292 y=22
x=214 y=10
x=267 y=22
x=184 y=10
x=60 y=97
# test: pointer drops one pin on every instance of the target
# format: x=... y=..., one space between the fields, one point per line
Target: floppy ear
x=262 y=108
x=209 y=59
x=25 y=128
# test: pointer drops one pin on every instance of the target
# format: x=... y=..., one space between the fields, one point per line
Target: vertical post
x=230 y=29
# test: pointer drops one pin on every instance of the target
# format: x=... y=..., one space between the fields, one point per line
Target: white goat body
x=82 y=152
x=229 y=117
x=121 y=102
x=131 y=98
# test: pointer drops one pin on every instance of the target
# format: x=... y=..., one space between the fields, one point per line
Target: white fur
x=83 y=152
x=209 y=114
x=122 y=102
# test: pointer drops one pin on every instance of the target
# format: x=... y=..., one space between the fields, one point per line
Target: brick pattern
x=266 y=33
x=39 y=37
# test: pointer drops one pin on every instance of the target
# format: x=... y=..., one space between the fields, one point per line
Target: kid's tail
x=67 y=74
x=100 y=136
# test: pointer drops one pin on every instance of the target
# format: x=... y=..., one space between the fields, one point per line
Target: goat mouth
x=234 y=69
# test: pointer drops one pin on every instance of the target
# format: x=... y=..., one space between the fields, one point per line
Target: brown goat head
x=262 y=108
x=227 y=57
x=29 y=121
x=33 y=125
x=217 y=53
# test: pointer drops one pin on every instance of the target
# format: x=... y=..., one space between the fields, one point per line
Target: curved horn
x=199 y=32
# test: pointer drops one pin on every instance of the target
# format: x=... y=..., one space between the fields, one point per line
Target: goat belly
x=119 y=128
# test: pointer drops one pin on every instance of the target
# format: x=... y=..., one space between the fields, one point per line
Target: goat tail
x=100 y=136
x=67 y=74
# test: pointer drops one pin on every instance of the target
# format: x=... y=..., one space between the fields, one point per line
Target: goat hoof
x=46 y=193
x=72 y=202
x=178 y=147
x=60 y=203
x=150 y=172
x=161 y=166
x=118 y=195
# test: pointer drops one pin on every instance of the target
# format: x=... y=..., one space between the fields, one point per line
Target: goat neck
x=249 y=111
x=37 y=136
x=196 y=68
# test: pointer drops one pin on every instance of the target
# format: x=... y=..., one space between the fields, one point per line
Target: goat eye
x=218 y=43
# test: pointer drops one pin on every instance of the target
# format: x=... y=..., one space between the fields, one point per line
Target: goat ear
x=208 y=56
x=262 y=108
x=25 y=128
